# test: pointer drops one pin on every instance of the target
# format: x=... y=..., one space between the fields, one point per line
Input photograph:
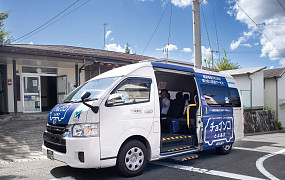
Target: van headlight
x=85 y=130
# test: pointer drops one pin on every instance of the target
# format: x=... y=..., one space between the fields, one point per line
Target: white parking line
x=65 y=178
x=206 y=171
x=260 y=167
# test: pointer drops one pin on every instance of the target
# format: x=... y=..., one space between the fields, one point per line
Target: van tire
x=132 y=158
x=224 y=149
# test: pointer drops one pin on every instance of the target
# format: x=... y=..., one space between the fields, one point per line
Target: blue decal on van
x=61 y=113
x=219 y=129
x=217 y=112
x=211 y=79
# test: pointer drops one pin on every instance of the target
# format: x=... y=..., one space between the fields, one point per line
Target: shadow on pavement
x=106 y=173
x=21 y=140
x=9 y=177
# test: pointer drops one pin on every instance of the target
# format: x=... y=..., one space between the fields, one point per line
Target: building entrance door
x=32 y=93
x=61 y=87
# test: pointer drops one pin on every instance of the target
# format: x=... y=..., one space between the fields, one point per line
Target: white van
x=114 y=119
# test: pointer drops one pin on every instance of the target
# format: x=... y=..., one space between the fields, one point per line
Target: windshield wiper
x=67 y=101
x=70 y=101
x=90 y=99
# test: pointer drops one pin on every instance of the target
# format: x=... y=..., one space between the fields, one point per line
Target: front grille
x=53 y=137
x=56 y=147
x=56 y=129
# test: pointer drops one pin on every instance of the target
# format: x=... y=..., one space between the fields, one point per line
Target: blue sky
x=134 y=21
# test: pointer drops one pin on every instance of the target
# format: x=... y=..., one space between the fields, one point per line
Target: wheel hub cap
x=134 y=159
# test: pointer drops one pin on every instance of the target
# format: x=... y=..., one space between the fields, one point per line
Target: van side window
x=235 y=98
x=134 y=90
x=216 y=96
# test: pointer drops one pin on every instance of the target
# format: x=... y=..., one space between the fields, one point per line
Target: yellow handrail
x=188 y=115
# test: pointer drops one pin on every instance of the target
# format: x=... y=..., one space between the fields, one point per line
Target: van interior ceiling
x=175 y=83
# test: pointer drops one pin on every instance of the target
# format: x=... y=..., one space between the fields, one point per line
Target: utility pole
x=197 y=33
x=104 y=36
x=212 y=58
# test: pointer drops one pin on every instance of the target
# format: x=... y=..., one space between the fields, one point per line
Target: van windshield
x=96 y=88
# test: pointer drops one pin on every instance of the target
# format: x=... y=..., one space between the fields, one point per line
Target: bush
x=278 y=124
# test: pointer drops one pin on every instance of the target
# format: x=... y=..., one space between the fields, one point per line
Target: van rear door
x=217 y=111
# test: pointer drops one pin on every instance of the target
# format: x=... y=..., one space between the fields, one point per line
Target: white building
x=250 y=83
x=34 y=78
x=274 y=96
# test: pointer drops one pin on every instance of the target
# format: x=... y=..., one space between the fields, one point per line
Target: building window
x=39 y=70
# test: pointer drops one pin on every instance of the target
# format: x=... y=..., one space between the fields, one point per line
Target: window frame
x=149 y=80
x=236 y=91
x=225 y=105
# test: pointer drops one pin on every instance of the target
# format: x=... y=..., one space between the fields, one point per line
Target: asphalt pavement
x=257 y=156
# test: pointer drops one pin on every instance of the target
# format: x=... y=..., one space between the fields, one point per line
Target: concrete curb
x=266 y=132
x=22 y=117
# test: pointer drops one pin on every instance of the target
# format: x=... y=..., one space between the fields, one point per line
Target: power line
x=248 y=52
x=206 y=27
x=281 y=5
x=260 y=29
x=169 y=23
x=55 y=20
x=39 y=28
x=156 y=27
x=169 y=30
x=216 y=29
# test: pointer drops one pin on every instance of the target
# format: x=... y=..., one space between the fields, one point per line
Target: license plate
x=50 y=154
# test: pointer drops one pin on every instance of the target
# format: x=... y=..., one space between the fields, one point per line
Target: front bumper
x=90 y=146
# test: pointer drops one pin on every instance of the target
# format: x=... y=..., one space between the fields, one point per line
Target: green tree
x=128 y=49
x=225 y=64
x=207 y=62
x=4 y=35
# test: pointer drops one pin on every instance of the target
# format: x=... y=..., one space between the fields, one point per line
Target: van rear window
x=235 y=98
x=216 y=96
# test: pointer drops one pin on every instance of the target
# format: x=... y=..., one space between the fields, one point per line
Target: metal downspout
x=248 y=74
x=276 y=91
x=15 y=88
x=80 y=69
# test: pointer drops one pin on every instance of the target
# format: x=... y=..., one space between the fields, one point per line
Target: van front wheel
x=132 y=158
x=224 y=149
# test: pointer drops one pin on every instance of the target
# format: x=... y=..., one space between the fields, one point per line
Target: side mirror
x=85 y=95
x=116 y=98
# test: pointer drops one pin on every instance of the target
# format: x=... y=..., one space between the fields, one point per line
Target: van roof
x=187 y=69
x=125 y=70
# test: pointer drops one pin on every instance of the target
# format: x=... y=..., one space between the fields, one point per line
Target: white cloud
x=268 y=15
x=187 y=50
x=170 y=47
x=108 y=34
x=206 y=53
x=271 y=67
x=282 y=62
x=245 y=36
x=31 y=43
x=114 y=47
x=184 y=3
x=111 y=39
x=181 y=3
x=247 y=45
